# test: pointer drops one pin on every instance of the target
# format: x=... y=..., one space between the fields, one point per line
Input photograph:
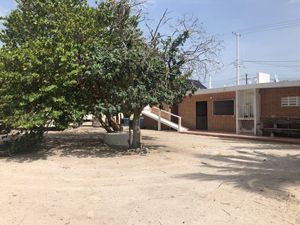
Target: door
x=201 y=115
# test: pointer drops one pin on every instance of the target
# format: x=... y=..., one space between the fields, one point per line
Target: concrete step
x=163 y=120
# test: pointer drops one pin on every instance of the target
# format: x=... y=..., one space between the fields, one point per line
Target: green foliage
x=128 y=73
x=63 y=59
x=43 y=42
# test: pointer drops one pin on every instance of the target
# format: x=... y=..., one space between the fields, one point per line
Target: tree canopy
x=41 y=61
x=63 y=59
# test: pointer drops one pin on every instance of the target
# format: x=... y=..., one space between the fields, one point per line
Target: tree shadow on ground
x=254 y=171
x=262 y=145
x=80 y=145
x=149 y=138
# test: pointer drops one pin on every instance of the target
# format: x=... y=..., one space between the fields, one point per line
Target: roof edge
x=249 y=86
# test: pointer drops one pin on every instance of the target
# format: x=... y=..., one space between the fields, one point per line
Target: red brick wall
x=187 y=110
x=271 y=102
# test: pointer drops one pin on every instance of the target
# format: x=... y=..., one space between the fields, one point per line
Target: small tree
x=129 y=72
x=160 y=80
x=111 y=62
x=170 y=61
x=119 y=72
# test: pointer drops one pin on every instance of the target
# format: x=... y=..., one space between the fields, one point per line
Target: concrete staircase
x=147 y=112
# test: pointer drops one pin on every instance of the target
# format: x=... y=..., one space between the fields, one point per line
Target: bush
x=24 y=142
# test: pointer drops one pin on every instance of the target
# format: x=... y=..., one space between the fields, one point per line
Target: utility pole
x=237 y=36
x=237 y=124
x=246 y=78
x=210 y=86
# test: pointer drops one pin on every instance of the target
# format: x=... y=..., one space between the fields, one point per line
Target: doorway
x=201 y=115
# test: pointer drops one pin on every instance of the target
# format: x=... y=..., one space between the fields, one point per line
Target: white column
x=237 y=125
x=255 y=110
x=179 y=124
x=159 y=123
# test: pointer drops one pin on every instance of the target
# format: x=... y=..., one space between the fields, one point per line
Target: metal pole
x=159 y=117
x=237 y=36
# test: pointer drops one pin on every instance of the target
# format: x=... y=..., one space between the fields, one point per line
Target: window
x=225 y=107
x=290 y=101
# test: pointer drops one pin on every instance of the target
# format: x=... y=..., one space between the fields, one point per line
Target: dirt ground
x=184 y=179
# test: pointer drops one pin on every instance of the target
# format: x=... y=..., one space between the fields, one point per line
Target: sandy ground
x=184 y=179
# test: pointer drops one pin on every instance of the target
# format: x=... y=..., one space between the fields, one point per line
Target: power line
x=271 y=61
x=278 y=64
x=272 y=29
x=267 y=27
x=272 y=64
x=278 y=69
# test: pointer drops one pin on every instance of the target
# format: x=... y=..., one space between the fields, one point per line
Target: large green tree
x=43 y=43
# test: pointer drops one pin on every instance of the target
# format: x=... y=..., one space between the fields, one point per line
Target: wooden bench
x=281 y=126
x=282 y=130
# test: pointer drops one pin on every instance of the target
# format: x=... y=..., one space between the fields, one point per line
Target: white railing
x=170 y=114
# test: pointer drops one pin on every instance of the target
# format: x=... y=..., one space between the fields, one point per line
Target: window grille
x=290 y=101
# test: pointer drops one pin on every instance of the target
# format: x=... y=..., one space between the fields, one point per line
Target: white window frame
x=290 y=101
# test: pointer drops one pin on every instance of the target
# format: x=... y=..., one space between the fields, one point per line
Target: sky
x=270 y=33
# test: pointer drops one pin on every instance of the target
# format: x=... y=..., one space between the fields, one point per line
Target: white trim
x=237 y=122
x=255 y=104
x=249 y=86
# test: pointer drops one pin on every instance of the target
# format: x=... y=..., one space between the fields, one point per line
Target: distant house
x=197 y=84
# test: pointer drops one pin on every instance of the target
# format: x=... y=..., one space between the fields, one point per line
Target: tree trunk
x=104 y=125
x=136 y=136
x=114 y=124
x=111 y=126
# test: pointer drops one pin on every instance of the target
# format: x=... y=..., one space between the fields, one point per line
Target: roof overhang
x=249 y=86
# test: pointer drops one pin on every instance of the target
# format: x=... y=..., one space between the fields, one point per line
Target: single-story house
x=266 y=108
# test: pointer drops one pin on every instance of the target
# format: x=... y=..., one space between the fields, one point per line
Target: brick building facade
x=271 y=102
x=244 y=107
x=187 y=110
